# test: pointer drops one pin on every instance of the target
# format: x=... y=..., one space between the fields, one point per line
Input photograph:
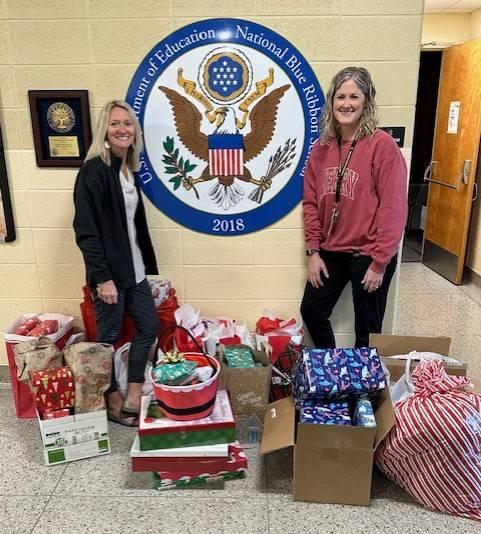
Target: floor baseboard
x=470 y=276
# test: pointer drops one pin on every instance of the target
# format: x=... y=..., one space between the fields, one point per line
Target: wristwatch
x=311 y=251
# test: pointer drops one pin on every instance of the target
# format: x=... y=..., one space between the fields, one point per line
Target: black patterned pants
x=139 y=304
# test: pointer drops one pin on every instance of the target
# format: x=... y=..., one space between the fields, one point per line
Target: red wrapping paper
x=26 y=326
x=53 y=389
x=44 y=328
x=237 y=461
x=56 y=414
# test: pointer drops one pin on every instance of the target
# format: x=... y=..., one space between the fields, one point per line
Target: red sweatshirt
x=373 y=202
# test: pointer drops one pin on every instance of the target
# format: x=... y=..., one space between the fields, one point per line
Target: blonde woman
x=111 y=231
x=354 y=208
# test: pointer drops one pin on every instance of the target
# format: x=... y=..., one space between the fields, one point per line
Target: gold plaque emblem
x=60 y=117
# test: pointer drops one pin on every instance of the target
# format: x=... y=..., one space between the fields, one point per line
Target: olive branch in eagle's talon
x=178 y=167
x=280 y=160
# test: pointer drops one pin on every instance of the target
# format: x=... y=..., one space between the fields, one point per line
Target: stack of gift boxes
x=184 y=453
x=338 y=386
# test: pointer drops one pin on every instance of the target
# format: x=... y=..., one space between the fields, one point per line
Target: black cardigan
x=100 y=225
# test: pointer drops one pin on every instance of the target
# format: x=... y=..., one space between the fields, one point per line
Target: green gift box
x=159 y=432
x=186 y=439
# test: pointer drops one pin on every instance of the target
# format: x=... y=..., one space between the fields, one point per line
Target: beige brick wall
x=446 y=29
x=475 y=24
x=97 y=45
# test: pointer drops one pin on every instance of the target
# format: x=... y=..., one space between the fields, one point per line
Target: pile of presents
x=189 y=452
x=64 y=386
x=336 y=386
x=331 y=407
x=52 y=388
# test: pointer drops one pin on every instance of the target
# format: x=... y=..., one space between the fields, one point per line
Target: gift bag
x=282 y=370
x=226 y=331
x=166 y=313
x=189 y=331
x=434 y=450
x=91 y=365
x=87 y=310
x=277 y=332
x=121 y=366
x=36 y=354
x=22 y=395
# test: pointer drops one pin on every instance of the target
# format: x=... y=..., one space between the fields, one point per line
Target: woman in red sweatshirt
x=355 y=206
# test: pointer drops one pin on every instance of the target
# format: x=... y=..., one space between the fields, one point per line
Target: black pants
x=139 y=304
x=318 y=303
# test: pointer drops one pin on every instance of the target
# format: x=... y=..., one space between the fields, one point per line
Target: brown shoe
x=125 y=421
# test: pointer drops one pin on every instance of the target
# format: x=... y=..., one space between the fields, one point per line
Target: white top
x=131 y=199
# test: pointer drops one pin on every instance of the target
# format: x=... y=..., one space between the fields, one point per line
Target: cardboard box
x=396 y=345
x=248 y=388
x=333 y=464
x=74 y=437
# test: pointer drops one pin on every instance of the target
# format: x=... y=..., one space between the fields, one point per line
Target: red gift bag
x=165 y=312
x=434 y=450
x=127 y=332
x=22 y=394
x=280 y=386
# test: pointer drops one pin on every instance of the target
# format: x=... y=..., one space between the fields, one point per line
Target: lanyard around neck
x=342 y=168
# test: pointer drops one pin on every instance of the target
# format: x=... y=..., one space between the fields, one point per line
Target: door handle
x=475 y=192
x=463 y=177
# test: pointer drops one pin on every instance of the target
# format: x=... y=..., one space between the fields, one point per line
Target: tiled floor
x=102 y=495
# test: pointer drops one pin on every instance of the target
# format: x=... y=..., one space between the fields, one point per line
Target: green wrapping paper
x=173 y=374
x=240 y=357
x=186 y=439
x=193 y=482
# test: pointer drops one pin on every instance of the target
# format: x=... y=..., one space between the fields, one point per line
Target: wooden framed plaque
x=61 y=127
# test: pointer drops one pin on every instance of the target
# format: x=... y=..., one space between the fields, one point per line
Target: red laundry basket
x=185 y=403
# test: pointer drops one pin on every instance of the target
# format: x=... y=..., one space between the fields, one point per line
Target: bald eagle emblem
x=215 y=137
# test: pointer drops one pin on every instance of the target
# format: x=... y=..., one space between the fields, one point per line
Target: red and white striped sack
x=434 y=450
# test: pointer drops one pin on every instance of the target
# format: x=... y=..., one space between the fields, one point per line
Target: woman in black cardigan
x=111 y=231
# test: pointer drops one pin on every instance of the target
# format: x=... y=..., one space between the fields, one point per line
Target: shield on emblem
x=226 y=153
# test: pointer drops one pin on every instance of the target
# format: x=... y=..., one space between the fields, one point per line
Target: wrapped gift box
x=158 y=432
x=56 y=414
x=187 y=482
x=239 y=356
x=337 y=372
x=214 y=456
x=328 y=413
x=53 y=389
x=364 y=413
x=233 y=467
